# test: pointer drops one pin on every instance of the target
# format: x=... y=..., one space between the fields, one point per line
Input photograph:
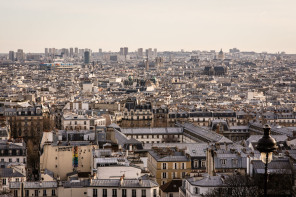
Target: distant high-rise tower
x=100 y=51
x=20 y=56
x=52 y=52
x=11 y=55
x=149 y=53
x=86 y=57
x=71 y=52
x=125 y=51
x=140 y=52
x=65 y=52
x=76 y=51
x=46 y=52
x=155 y=52
x=121 y=51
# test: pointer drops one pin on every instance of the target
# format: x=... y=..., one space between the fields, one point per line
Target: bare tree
x=280 y=183
x=236 y=186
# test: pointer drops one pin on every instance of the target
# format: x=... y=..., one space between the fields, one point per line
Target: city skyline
x=167 y=25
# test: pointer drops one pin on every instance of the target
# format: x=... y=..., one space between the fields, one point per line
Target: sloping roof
x=169 y=156
x=126 y=183
x=48 y=172
x=193 y=149
x=9 y=172
x=276 y=166
x=163 y=130
x=122 y=139
x=278 y=138
x=35 y=185
x=206 y=134
x=209 y=181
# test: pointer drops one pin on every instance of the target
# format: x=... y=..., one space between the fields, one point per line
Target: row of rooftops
x=93 y=183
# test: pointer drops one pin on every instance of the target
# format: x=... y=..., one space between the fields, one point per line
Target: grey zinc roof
x=48 y=172
x=9 y=172
x=122 y=139
x=197 y=149
x=278 y=138
x=126 y=183
x=76 y=183
x=175 y=156
x=275 y=166
x=167 y=145
x=209 y=181
x=163 y=130
x=4 y=145
x=34 y=185
x=205 y=133
x=238 y=127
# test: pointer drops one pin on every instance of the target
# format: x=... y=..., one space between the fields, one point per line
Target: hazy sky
x=259 y=25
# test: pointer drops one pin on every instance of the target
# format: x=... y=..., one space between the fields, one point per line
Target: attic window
x=223 y=161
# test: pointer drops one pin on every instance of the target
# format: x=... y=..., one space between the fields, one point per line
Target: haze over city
x=266 y=25
x=134 y=98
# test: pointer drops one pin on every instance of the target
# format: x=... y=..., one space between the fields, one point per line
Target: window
x=15 y=193
x=196 y=190
x=235 y=162
x=195 y=163
x=164 y=166
x=171 y=195
x=36 y=193
x=183 y=165
x=53 y=192
x=203 y=164
x=95 y=192
x=4 y=181
x=143 y=193
x=114 y=192
x=18 y=160
x=134 y=193
x=175 y=165
x=154 y=192
x=26 y=192
x=84 y=122
x=44 y=192
x=104 y=192
x=223 y=161
x=164 y=175
x=173 y=175
x=17 y=180
x=183 y=174
x=10 y=160
x=123 y=192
